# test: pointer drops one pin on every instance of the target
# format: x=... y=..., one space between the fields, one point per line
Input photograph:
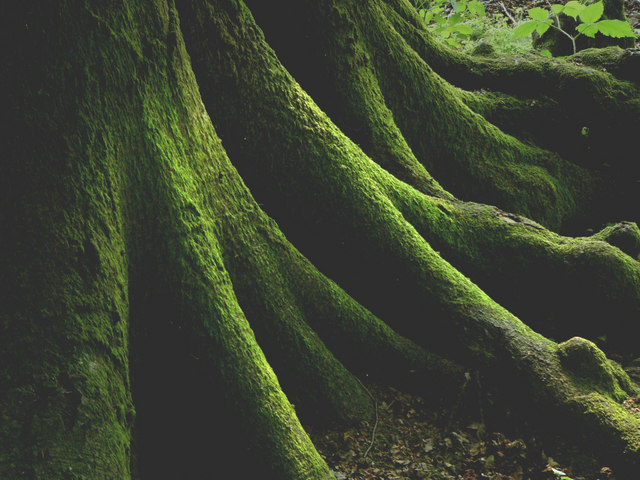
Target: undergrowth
x=466 y=25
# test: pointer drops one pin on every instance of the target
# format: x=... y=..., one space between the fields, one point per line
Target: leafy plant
x=541 y=19
x=450 y=19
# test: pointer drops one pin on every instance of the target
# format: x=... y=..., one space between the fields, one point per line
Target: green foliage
x=451 y=19
x=463 y=24
x=589 y=16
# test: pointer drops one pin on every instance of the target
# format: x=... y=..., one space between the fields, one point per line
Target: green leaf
x=454 y=4
x=427 y=15
x=543 y=26
x=539 y=14
x=454 y=19
x=546 y=53
x=556 y=9
x=573 y=9
x=463 y=29
x=440 y=20
x=453 y=43
x=444 y=32
x=592 y=13
x=525 y=29
x=588 y=29
x=477 y=7
x=615 y=28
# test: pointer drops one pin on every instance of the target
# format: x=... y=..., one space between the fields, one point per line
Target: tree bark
x=150 y=301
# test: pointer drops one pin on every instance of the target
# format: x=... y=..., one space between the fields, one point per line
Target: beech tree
x=214 y=210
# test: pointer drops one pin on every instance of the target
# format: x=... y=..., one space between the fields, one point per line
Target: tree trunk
x=149 y=299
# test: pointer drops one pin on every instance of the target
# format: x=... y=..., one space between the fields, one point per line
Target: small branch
x=573 y=39
x=513 y=20
x=375 y=425
x=557 y=26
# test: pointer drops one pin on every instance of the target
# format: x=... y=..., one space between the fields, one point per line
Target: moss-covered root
x=593 y=288
x=327 y=194
x=624 y=235
x=295 y=311
x=588 y=97
x=108 y=138
x=584 y=360
x=513 y=74
x=240 y=409
x=480 y=240
x=621 y=63
x=343 y=83
x=314 y=380
x=601 y=385
x=372 y=77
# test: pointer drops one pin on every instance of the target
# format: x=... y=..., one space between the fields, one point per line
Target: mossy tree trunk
x=149 y=301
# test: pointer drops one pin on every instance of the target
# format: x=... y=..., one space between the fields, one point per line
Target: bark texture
x=150 y=302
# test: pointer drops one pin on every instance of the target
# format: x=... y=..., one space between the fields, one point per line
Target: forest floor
x=410 y=440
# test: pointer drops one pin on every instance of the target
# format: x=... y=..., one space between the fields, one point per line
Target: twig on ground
x=375 y=425
x=513 y=20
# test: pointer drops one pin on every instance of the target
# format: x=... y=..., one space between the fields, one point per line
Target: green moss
x=334 y=203
x=590 y=365
x=114 y=175
x=526 y=267
x=385 y=102
x=624 y=235
x=609 y=416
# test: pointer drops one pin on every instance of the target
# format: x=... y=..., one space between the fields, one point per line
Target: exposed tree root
x=359 y=237
x=142 y=274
